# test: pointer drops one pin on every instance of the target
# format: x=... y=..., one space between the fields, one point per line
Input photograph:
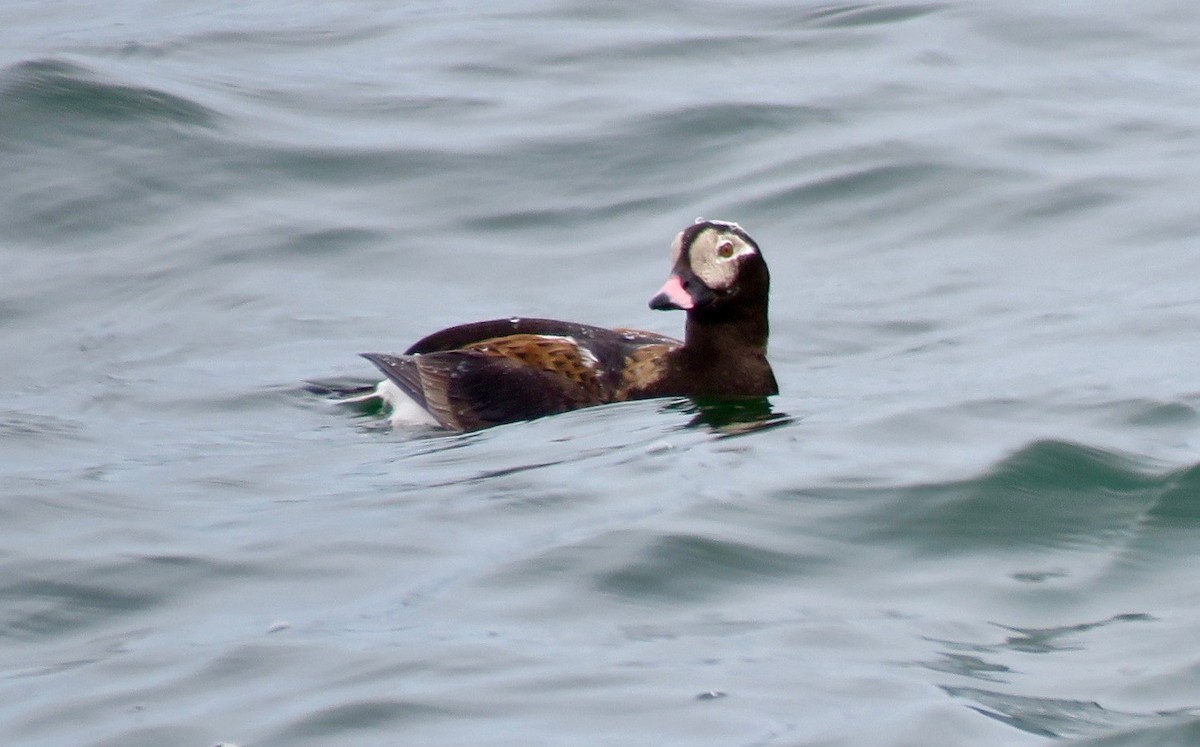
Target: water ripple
x=56 y=93
x=1049 y=494
x=692 y=567
x=863 y=14
x=58 y=598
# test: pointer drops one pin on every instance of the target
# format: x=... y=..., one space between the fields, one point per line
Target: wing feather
x=402 y=370
x=468 y=389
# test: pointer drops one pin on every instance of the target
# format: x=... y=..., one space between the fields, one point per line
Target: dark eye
x=725 y=250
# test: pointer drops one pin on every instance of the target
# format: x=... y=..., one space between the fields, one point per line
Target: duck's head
x=716 y=264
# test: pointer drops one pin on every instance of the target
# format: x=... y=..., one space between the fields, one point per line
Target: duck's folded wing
x=465 y=390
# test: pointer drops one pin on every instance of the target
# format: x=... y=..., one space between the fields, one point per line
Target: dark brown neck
x=741 y=330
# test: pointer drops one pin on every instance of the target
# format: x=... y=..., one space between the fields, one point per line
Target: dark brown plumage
x=486 y=373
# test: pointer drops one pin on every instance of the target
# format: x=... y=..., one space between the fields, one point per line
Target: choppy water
x=975 y=519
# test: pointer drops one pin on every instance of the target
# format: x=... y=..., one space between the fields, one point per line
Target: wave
x=1058 y=717
x=1050 y=503
x=1049 y=494
x=56 y=93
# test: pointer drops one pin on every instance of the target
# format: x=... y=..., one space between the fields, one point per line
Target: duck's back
x=604 y=343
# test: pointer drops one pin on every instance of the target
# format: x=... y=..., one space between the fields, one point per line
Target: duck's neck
x=737 y=331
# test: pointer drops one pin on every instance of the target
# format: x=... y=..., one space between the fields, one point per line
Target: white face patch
x=715 y=255
x=676 y=248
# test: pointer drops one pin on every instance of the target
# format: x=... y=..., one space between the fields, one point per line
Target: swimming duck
x=482 y=374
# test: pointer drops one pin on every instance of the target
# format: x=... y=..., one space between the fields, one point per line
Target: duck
x=482 y=374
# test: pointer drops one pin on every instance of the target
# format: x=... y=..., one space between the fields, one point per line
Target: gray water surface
x=973 y=517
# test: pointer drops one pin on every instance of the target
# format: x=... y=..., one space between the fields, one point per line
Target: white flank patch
x=405 y=410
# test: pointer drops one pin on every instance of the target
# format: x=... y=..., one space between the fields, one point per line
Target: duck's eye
x=725 y=250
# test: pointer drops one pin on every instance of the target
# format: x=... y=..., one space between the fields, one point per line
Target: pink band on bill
x=673 y=290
